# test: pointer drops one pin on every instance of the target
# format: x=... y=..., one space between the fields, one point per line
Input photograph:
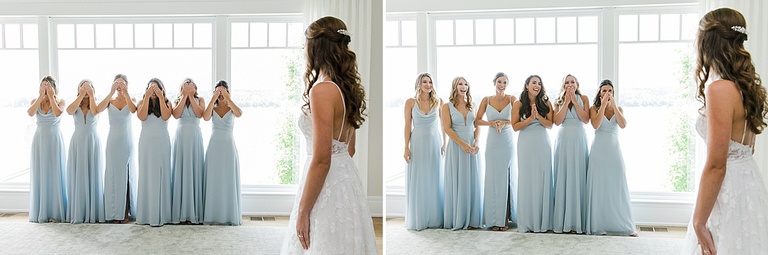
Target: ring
x=301 y=236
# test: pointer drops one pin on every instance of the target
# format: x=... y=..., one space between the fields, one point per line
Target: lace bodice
x=305 y=124
x=736 y=150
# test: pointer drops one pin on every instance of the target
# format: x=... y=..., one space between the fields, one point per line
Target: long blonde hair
x=455 y=93
x=433 y=101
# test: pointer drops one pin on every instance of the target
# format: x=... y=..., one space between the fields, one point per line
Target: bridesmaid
x=463 y=208
x=153 y=206
x=500 y=184
x=571 y=156
x=222 y=164
x=607 y=198
x=423 y=148
x=120 y=172
x=48 y=190
x=85 y=162
x=532 y=116
x=188 y=156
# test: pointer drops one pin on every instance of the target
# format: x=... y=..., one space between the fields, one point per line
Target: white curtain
x=754 y=12
x=356 y=14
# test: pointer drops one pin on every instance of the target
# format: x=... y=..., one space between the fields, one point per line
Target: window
x=19 y=75
x=399 y=80
x=656 y=61
x=267 y=70
x=653 y=72
x=142 y=49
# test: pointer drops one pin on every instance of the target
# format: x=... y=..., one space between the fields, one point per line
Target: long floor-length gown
x=120 y=177
x=608 y=206
x=154 y=202
x=222 y=174
x=570 y=171
x=339 y=222
x=463 y=205
x=499 y=174
x=188 y=169
x=535 y=199
x=424 y=206
x=85 y=174
x=739 y=218
x=48 y=185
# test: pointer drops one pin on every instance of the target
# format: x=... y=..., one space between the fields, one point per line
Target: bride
x=731 y=213
x=330 y=214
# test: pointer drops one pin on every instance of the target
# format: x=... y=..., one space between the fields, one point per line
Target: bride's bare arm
x=720 y=100
x=322 y=136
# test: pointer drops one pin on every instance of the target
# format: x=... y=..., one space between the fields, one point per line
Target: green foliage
x=680 y=140
x=288 y=139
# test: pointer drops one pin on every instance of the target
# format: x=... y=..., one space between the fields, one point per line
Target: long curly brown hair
x=598 y=100
x=721 y=51
x=455 y=93
x=328 y=51
x=541 y=99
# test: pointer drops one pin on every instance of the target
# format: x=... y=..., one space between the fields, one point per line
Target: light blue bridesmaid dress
x=607 y=198
x=423 y=189
x=120 y=172
x=463 y=205
x=222 y=174
x=498 y=171
x=188 y=167
x=153 y=206
x=86 y=171
x=534 y=191
x=570 y=170
x=48 y=185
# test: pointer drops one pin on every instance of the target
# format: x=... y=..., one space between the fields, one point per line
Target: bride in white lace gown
x=330 y=215
x=731 y=213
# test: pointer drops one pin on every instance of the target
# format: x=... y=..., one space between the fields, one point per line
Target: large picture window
x=264 y=66
x=19 y=68
x=651 y=68
x=656 y=90
x=267 y=66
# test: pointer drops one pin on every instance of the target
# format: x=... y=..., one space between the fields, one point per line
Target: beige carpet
x=257 y=235
x=441 y=241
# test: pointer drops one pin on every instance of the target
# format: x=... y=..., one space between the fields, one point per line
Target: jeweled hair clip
x=344 y=32
x=739 y=29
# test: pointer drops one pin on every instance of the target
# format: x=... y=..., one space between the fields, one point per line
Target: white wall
x=147 y=7
x=395 y=6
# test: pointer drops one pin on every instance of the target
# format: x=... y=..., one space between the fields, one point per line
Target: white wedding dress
x=339 y=221
x=739 y=219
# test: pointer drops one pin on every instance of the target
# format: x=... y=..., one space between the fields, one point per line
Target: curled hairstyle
x=220 y=83
x=433 y=102
x=328 y=51
x=121 y=76
x=541 y=99
x=455 y=93
x=181 y=88
x=154 y=103
x=598 y=100
x=721 y=51
x=561 y=97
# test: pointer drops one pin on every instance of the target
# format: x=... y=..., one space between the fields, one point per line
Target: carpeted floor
x=261 y=236
x=442 y=241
